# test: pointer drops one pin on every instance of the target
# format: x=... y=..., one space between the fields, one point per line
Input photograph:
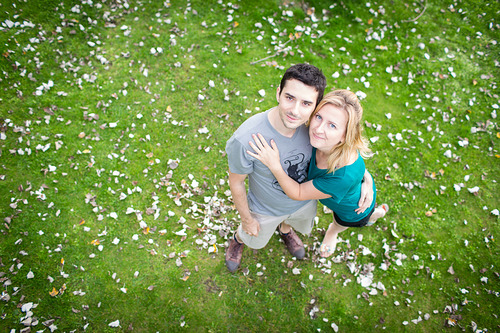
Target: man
x=266 y=207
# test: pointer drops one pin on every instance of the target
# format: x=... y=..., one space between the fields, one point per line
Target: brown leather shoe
x=233 y=255
x=294 y=244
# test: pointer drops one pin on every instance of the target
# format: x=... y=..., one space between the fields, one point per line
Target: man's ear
x=278 y=94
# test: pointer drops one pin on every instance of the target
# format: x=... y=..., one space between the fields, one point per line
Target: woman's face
x=328 y=127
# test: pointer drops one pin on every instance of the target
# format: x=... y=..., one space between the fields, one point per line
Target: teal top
x=344 y=186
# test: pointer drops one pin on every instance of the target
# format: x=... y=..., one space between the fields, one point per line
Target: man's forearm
x=239 y=193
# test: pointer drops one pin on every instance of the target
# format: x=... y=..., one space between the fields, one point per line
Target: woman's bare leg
x=329 y=243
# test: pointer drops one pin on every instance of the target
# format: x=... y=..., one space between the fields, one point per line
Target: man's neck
x=277 y=123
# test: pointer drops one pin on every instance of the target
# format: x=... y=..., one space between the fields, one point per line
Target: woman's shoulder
x=355 y=168
x=355 y=161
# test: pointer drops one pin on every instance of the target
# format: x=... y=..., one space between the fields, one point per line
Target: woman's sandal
x=326 y=249
x=385 y=207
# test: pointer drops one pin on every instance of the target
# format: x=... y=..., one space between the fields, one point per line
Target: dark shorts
x=358 y=224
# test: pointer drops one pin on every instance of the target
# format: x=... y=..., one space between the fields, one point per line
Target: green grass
x=117 y=116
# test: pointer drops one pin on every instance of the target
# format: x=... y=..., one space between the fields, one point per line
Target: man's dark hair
x=307 y=74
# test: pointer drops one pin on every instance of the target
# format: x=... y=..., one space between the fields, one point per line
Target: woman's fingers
x=262 y=140
x=274 y=146
x=254 y=147
x=258 y=140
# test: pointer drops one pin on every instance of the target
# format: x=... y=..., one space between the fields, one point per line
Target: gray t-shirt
x=265 y=195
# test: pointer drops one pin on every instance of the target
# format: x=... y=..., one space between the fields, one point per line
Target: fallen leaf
x=54 y=292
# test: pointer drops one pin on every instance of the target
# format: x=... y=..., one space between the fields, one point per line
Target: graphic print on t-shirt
x=296 y=166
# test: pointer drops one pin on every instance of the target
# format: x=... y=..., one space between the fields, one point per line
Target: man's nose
x=296 y=109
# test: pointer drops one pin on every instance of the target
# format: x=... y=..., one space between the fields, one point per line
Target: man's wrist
x=246 y=219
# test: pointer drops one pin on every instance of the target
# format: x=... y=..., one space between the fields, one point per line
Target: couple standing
x=315 y=153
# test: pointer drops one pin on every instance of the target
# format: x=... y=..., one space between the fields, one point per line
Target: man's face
x=296 y=102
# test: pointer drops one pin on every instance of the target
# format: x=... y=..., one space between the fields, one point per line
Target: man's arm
x=366 y=198
x=238 y=190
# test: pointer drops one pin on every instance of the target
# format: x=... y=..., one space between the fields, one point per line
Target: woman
x=336 y=169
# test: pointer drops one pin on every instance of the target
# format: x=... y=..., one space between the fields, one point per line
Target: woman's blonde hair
x=354 y=141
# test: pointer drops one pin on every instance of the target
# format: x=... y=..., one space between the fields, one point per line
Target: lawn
x=114 y=195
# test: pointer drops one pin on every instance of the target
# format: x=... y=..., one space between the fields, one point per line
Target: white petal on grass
x=474 y=189
x=113 y=215
x=115 y=323
x=181 y=232
x=495 y=212
x=361 y=95
x=30 y=275
x=203 y=130
x=262 y=92
x=9 y=23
